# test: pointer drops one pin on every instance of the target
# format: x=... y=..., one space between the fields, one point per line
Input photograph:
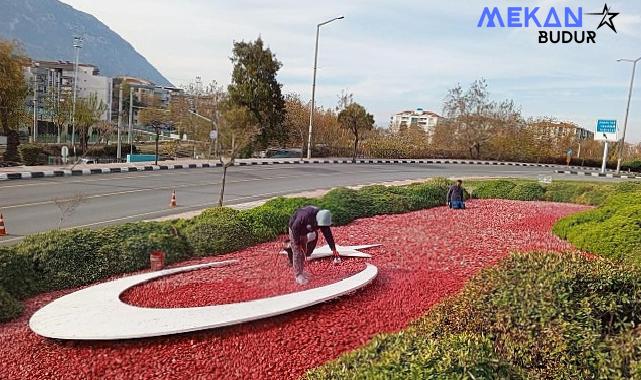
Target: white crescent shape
x=97 y=313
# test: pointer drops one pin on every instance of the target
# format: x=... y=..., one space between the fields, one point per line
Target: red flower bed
x=426 y=255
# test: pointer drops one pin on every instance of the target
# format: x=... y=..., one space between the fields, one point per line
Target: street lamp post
x=311 y=112
x=627 y=110
x=77 y=44
x=131 y=118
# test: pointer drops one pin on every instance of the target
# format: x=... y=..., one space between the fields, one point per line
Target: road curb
x=598 y=174
x=126 y=169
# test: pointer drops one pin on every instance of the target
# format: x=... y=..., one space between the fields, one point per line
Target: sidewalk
x=29 y=172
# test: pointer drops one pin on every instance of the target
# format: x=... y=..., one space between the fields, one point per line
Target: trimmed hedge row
x=534 y=316
x=566 y=192
x=612 y=230
x=62 y=259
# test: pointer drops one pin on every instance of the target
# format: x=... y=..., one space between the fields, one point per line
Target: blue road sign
x=606 y=126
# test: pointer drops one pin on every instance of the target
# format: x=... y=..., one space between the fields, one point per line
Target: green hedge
x=218 y=230
x=612 y=230
x=534 y=316
x=9 y=306
x=493 y=189
x=565 y=192
x=68 y=258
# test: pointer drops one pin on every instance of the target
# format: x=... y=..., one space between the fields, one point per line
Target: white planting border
x=97 y=313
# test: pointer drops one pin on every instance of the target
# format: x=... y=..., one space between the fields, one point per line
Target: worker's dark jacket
x=455 y=194
x=303 y=222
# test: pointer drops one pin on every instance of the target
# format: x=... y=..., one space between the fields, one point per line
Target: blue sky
x=393 y=55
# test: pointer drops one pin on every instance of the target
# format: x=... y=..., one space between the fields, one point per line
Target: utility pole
x=119 y=149
x=35 y=106
x=311 y=112
x=58 y=92
x=627 y=110
x=131 y=120
x=77 y=44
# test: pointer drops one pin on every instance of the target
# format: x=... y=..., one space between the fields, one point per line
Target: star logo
x=607 y=17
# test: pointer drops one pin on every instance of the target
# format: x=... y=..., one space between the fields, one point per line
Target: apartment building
x=56 y=78
x=426 y=120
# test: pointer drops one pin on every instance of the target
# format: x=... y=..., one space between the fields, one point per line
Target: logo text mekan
x=551 y=18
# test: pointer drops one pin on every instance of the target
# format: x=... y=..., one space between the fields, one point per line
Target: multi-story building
x=56 y=78
x=426 y=120
x=559 y=130
x=146 y=94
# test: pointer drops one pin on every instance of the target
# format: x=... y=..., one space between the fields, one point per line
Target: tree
x=58 y=106
x=13 y=92
x=356 y=119
x=297 y=121
x=105 y=130
x=237 y=129
x=88 y=113
x=254 y=86
x=474 y=117
x=156 y=118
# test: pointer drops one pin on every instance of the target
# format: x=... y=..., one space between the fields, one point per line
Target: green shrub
x=32 y=154
x=127 y=247
x=634 y=166
x=527 y=191
x=265 y=222
x=627 y=187
x=612 y=230
x=499 y=189
x=17 y=274
x=347 y=205
x=581 y=193
x=9 y=306
x=218 y=230
x=384 y=200
x=68 y=258
x=534 y=316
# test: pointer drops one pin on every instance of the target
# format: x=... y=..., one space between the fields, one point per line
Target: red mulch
x=426 y=256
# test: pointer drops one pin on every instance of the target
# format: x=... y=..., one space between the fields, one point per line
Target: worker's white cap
x=324 y=218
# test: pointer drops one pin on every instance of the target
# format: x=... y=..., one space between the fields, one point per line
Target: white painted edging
x=97 y=313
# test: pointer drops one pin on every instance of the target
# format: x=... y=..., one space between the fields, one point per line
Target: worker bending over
x=303 y=236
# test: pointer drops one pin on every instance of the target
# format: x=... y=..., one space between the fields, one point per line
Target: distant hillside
x=46 y=29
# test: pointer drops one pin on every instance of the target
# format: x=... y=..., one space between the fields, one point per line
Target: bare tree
x=68 y=206
x=237 y=130
x=475 y=117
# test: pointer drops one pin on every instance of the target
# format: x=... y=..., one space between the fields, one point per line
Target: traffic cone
x=3 y=230
x=172 y=203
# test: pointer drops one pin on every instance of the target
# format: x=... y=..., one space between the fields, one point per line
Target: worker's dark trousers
x=300 y=252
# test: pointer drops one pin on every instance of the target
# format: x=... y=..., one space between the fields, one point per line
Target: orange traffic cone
x=3 y=231
x=172 y=203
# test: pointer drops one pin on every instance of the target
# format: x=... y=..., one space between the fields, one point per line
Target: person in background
x=303 y=236
x=456 y=196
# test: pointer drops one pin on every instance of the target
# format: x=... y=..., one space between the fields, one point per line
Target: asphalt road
x=31 y=206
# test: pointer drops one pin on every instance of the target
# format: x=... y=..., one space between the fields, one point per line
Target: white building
x=57 y=77
x=426 y=120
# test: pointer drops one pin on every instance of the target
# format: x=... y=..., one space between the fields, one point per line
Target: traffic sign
x=213 y=134
x=606 y=130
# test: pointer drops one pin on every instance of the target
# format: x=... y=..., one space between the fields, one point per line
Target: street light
x=311 y=113
x=627 y=110
x=77 y=44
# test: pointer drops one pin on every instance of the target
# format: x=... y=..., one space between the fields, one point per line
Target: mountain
x=46 y=29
